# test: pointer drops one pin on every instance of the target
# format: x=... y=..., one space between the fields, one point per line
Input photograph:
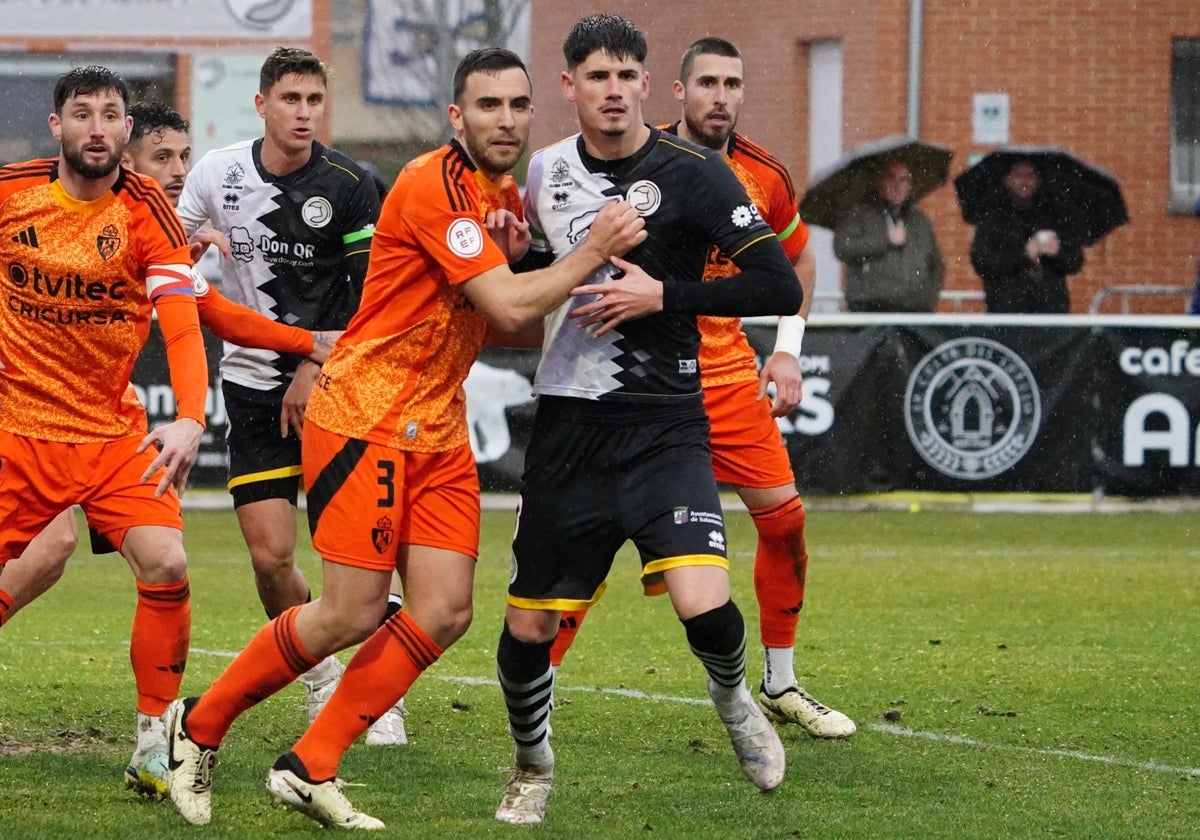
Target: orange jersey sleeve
x=395 y=376
x=244 y=326
x=725 y=353
x=79 y=281
x=186 y=359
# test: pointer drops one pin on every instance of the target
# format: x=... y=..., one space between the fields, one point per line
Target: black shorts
x=262 y=463
x=640 y=473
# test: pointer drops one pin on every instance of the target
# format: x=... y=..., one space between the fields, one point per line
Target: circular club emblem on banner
x=972 y=408
x=465 y=238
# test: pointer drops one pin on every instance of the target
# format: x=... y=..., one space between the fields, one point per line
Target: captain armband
x=789 y=335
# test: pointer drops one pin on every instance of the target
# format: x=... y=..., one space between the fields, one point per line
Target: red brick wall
x=1090 y=75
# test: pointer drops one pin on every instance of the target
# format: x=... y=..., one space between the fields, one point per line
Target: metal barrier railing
x=956 y=298
x=1126 y=293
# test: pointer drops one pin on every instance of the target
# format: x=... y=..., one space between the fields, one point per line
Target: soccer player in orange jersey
x=748 y=450
x=159 y=147
x=91 y=250
x=388 y=470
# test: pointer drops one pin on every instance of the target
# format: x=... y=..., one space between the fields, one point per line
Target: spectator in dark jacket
x=892 y=259
x=1023 y=251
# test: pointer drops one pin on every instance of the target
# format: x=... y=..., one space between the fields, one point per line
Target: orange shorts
x=39 y=479
x=748 y=449
x=366 y=500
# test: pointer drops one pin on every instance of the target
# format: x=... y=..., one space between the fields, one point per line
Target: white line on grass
x=885 y=728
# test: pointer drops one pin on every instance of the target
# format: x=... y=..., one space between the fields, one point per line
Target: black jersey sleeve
x=764 y=285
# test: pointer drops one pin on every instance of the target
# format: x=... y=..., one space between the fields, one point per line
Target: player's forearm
x=186 y=360
x=765 y=285
x=245 y=327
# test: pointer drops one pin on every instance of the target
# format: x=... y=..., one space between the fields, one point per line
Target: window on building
x=1185 y=124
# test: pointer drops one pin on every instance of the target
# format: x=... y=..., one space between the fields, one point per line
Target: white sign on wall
x=989 y=119
x=223 y=88
x=144 y=19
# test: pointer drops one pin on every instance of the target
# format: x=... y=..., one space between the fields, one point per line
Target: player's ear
x=455 y=115
x=677 y=86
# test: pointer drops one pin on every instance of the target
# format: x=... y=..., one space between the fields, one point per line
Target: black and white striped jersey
x=690 y=200
x=300 y=243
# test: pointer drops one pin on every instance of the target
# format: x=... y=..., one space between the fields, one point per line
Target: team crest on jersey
x=199 y=283
x=382 y=534
x=560 y=174
x=744 y=215
x=645 y=197
x=465 y=238
x=233 y=177
x=317 y=212
x=108 y=242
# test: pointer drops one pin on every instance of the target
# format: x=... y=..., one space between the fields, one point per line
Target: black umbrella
x=1088 y=198
x=853 y=179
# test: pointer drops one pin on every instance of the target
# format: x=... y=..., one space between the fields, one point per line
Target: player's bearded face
x=494 y=119
x=93 y=134
x=712 y=99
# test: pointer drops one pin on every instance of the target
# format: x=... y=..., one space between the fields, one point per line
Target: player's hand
x=635 y=295
x=509 y=232
x=206 y=236
x=783 y=369
x=178 y=444
x=616 y=230
x=323 y=341
x=295 y=399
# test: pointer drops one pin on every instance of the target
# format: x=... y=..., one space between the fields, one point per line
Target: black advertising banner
x=994 y=409
x=152 y=381
x=1149 y=444
x=941 y=408
x=1069 y=404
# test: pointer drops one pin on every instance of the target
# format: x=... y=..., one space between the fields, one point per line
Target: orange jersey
x=80 y=279
x=395 y=377
x=725 y=354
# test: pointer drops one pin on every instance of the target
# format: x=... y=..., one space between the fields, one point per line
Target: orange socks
x=780 y=566
x=274 y=657
x=382 y=671
x=158 y=643
x=568 y=628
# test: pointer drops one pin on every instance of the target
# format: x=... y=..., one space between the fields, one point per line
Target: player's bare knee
x=272 y=564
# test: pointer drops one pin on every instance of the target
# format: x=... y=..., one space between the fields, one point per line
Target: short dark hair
x=151 y=117
x=615 y=35
x=85 y=81
x=284 y=61
x=707 y=46
x=485 y=60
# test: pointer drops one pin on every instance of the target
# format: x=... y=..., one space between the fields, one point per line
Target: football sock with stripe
x=568 y=629
x=274 y=657
x=158 y=643
x=780 y=568
x=527 y=681
x=382 y=671
x=718 y=639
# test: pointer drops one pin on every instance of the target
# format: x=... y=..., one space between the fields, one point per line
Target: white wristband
x=789 y=334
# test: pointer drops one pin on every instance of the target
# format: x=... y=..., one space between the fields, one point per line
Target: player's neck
x=82 y=188
x=615 y=147
x=280 y=161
